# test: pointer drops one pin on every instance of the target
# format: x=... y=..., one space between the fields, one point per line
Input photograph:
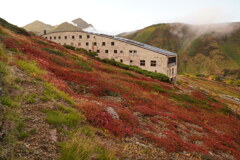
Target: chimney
x=44 y=32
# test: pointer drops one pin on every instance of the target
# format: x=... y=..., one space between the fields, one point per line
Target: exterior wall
x=126 y=53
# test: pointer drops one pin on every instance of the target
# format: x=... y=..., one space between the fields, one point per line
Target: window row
x=153 y=63
x=80 y=37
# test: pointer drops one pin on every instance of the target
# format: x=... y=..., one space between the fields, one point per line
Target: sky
x=117 y=16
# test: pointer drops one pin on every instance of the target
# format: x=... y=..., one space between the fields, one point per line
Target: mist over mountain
x=202 y=49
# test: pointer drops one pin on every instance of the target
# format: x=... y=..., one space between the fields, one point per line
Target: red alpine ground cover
x=147 y=108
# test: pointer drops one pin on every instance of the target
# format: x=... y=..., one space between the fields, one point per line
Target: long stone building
x=120 y=49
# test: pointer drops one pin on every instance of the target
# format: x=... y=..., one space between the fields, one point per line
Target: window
x=87 y=43
x=54 y=37
x=153 y=63
x=71 y=44
x=90 y=50
x=130 y=51
x=172 y=71
x=88 y=36
x=50 y=37
x=59 y=37
x=115 y=51
x=80 y=36
x=98 y=51
x=121 y=51
x=94 y=43
x=103 y=43
x=131 y=61
x=121 y=60
x=72 y=37
x=65 y=37
x=112 y=43
x=106 y=51
x=134 y=51
x=46 y=37
x=79 y=44
x=142 y=62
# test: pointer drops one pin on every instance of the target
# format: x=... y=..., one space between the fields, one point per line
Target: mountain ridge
x=202 y=49
x=38 y=27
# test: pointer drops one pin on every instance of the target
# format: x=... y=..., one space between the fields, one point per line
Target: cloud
x=206 y=16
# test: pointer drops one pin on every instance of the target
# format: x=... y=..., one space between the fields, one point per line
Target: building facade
x=120 y=49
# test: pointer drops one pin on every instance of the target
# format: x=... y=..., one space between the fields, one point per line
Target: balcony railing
x=171 y=64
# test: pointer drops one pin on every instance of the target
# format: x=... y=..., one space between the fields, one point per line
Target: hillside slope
x=74 y=106
x=207 y=49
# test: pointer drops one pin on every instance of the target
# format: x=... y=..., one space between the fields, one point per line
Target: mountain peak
x=81 y=23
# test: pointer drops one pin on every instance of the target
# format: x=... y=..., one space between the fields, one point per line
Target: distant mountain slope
x=38 y=27
x=206 y=49
x=81 y=23
x=65 y=27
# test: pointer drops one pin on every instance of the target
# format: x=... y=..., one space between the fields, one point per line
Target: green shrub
x=157 y=76
x=129 y=74
x=53 y=51
x=84 y=65
x=111 y=93
x=69 y=47
x=157 y=88
x=13 y=28
x=226 y=110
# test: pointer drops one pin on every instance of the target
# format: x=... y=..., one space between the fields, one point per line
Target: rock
x=113 y=113
x=53 y=134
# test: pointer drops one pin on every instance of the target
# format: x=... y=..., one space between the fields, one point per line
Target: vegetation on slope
x=131 y=115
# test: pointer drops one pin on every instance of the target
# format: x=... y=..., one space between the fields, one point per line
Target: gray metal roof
x=142 y=45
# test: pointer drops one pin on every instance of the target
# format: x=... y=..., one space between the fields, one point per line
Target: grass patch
x=184 y=98
x=53 y=51
x=64 y=116
x=52 y=93
x=30 y=67
x=31 y=99
x=3 y=69
x=84 y=65
x=79 y=148
x=7 y=101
